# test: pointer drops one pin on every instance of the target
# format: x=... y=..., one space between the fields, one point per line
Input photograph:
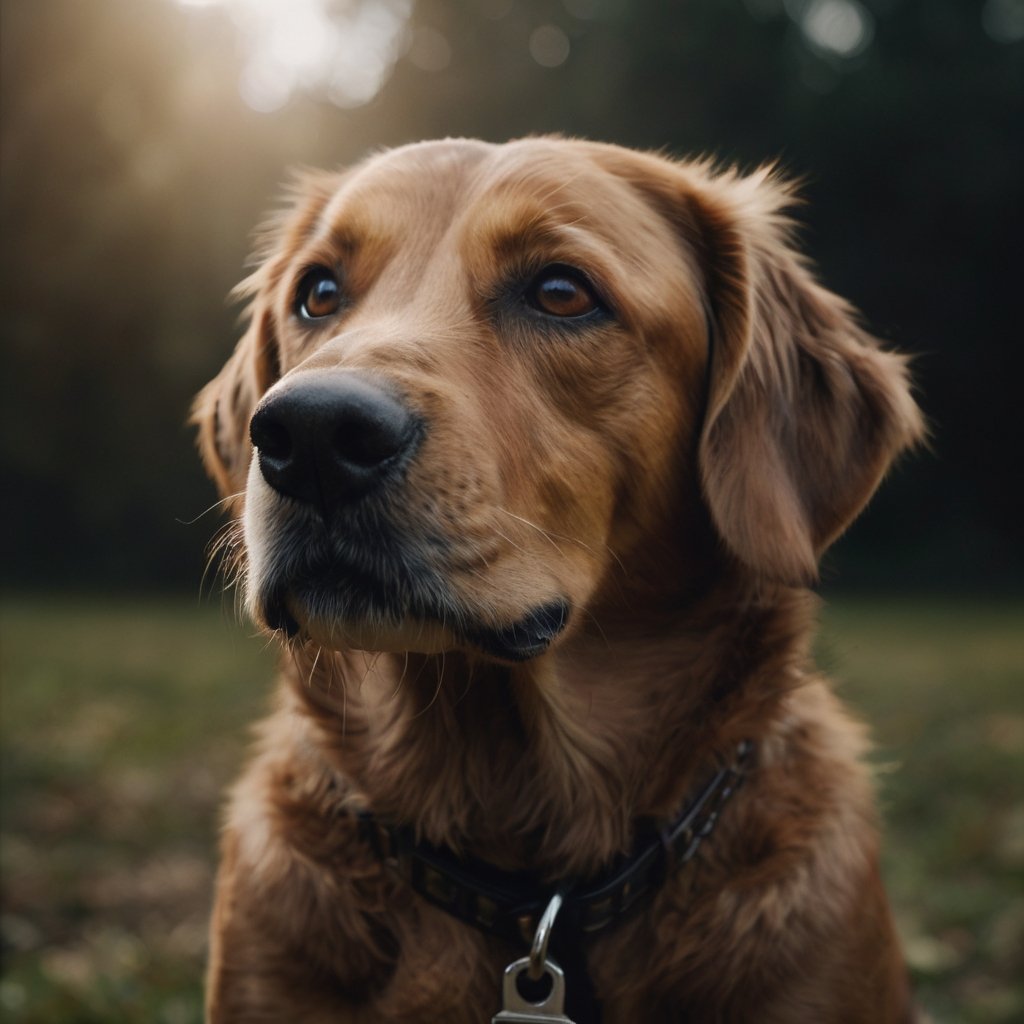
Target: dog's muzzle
x=336 y=561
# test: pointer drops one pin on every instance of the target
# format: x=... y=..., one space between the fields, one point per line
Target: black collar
x=510 y=904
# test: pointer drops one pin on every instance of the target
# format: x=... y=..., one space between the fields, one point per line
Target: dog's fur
x=671 y=467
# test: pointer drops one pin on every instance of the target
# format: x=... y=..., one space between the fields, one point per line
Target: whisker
x=507 y=539
x=312 y=669
x=370 y=664
x=401 y=678
x=549 y=535
x=335 y=663
x=225 y=561
x=526 y=522
x=593 y=618
x=206 y=511
x=437 y=689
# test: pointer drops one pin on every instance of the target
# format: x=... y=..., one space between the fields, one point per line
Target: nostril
x=368 y=442
x=270 y=435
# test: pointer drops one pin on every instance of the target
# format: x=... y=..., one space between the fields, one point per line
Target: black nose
x=330 y=438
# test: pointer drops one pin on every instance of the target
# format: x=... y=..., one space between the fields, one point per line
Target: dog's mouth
x=348 y=609
x=526 y=638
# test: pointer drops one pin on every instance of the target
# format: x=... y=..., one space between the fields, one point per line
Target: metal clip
x=542 y=936
x=524 y=995
x=517 y=1009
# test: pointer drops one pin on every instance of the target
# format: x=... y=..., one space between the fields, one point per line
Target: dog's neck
x=549 y=764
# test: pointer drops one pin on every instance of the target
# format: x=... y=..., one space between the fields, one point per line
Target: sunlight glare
x=341 y=50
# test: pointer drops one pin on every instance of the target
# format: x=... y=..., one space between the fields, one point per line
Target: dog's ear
x=804 y=411
x=223 y=408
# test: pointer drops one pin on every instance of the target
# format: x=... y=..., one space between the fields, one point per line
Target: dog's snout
x=330 y=439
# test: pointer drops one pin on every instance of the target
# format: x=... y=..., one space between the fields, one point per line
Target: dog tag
x=518 y=1010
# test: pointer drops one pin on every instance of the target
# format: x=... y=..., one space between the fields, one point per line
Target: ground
x=122 y=720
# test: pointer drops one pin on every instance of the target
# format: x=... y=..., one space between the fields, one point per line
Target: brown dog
x=558 y=431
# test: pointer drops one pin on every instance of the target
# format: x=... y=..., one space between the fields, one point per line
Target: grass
x=943 y=687
x=122 y=723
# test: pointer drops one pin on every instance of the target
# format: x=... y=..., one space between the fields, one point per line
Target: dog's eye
x=318 y=294
x=562 y=292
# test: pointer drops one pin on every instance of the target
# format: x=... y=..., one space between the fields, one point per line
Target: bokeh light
x=339 y=50
x=549 y=46
x=1003 y=20
x=842 y=28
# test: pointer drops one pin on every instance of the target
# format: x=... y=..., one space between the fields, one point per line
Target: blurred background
x=140 y=142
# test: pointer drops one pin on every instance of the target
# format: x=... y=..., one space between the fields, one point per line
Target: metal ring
x=541 y=938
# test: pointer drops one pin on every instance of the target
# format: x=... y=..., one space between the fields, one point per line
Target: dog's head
x=478 y=379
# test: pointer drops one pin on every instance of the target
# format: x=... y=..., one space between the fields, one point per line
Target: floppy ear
x=223 y=408
x=804 y=411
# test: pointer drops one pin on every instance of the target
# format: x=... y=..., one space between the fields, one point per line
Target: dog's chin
x=522 y=639
x=291 y=615
x=411 y=636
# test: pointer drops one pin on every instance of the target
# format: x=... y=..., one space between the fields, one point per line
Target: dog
x=531 y=452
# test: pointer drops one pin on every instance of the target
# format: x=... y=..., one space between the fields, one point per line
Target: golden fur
x=672 y=470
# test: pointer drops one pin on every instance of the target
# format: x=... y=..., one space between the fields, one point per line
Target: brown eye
x=318 y=294
x=560 y=291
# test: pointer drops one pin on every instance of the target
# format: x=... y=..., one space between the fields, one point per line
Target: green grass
x=942 y=685
x=122 y=723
